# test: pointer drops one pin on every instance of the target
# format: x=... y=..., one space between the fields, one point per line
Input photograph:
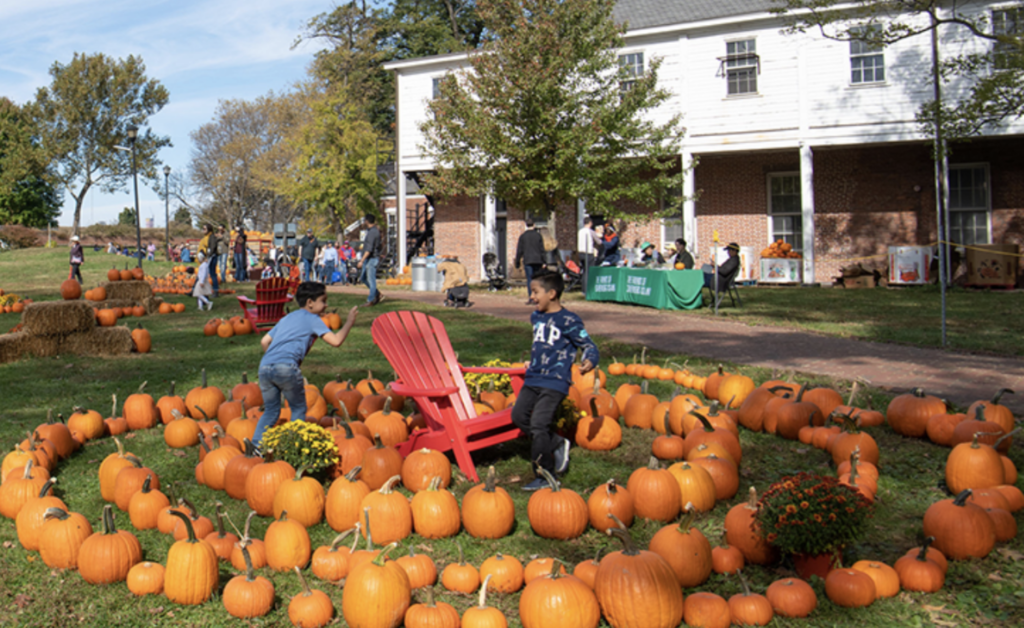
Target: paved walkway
x=959 y=377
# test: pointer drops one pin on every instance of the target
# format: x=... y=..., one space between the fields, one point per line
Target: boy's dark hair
x=309 y=290
x=370 y=219
x=681 y=243
x=550 y=281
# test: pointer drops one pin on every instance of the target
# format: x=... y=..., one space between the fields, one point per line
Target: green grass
x=982 y=321
x=985 y=591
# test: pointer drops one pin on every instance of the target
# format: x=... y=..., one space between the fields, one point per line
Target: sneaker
x=380 y=297
x=562 y=455
x=537 y=484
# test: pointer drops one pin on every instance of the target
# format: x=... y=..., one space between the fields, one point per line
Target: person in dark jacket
x=530 y=253
x=307 y=251
x=77 y=258
x=212 y=245
x=726 y=271
x=682 y=255
x=240 y=251
x=611 y=246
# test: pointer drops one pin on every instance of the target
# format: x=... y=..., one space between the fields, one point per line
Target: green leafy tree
x=993 y=80
x=86 y=111
x=126 y=217
x=26 y=197
x=333 y=158
x=182 y=216
x=542 y=115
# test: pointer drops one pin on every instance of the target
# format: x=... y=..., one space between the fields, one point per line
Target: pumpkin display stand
x=129 y=294
x=808 y=565
x=63 y=327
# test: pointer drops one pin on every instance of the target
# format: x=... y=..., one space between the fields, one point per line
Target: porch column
x=400 y=193
x=689 y=206
x=807 y=209
x=488 y=237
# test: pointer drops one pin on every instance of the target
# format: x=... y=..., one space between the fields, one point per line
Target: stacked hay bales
x=63 y=327
x=130 y=294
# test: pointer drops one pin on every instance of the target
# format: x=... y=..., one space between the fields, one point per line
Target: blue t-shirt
x=556 y=337
x=292 y=338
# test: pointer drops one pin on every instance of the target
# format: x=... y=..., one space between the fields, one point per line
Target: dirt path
x=959 y=377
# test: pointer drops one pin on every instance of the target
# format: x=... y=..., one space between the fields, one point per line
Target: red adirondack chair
x=418 y=348
x=271 y=296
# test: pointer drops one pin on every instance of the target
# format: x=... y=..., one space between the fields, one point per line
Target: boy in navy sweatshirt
x=557 y=334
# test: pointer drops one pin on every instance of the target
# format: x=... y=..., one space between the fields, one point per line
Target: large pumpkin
x=961 y=529
x=488 y=511
x=743 y=532
x=191 y=574
x=655 y=492
x=376 y=594
x=107 y=556
x=556 y=599
x=908 y=414
x=555 y=512
x=685 y=549
x=654 y=598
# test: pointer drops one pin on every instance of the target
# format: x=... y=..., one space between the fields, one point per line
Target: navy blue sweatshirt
x=555 y=340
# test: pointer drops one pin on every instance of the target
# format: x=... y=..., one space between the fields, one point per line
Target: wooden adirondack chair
x=271 y=296
x=418 y=348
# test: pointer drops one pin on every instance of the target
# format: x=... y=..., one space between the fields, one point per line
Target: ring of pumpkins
x=362 y=499
x=179 y=281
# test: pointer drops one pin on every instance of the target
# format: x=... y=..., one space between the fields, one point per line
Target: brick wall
x=457 y=232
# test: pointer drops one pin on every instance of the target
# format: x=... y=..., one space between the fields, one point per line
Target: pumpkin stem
x=653 y=464
x=135 y=460
x=192 y=512
x=961 y=499
x=752 y=503
x=483 y=592
x=377 y=443
x=999 y=395
x=800 y=393
x=204 y=378
x=389 y=486
x=490 y=480
x=306 y=592
x=351 y=475
x=46 y=487
x=743 y=582
x=220 y=519
x=643 y=355
x=853 y=393
x=249 y=575
x=202 y=442
x=55 y=513
x=113 y=409
x=146 y=483
x=142 y=388
x=999 y=441
x=368 y=534
x=643 y=387
x=338 y=539
x=435 y=483
x=206 y=417
x=298 y=472
x=108 y=520
x=923 y=554
x=382 y=556
x=630 y=548
x=593 y=407
x=686 y=521
x=703 y=420
x=556 y=569
x=358 y=528
x=462 y=559
x=120 y=447
x=171 y=393
x=431 y=603
x=188 y=526
x=344 y=412
x=611 y=487
x=550 y=479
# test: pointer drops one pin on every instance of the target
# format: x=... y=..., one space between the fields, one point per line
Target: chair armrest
x=410 y=391
x=489 y=370
x=247 y=300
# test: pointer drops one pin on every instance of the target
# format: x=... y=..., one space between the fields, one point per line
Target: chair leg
x=465 y=460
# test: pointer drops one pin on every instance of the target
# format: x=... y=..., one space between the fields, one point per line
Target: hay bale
x=12 y=346
x=100 y=305
x=152 y=304
x=99 y=341
x=134 y=291
x=42 y=346
x=57 y=318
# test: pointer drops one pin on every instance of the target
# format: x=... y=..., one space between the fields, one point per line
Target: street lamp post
x=133 y=134
x=167 y=213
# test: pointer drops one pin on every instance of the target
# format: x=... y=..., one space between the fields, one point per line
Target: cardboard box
x=992 y=265
x=865 y=281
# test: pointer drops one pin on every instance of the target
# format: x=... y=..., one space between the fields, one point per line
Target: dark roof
x=651 y=13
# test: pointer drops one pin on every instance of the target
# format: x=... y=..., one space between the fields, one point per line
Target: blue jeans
x=275 y=380
x=241 y=272
x=531 y=270
x=213 y=275
x=328 y=273
x=307 y=269
x=369 y=277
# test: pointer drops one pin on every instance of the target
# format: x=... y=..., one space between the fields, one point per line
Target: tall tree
x=86 y=111
x=127 y=216
x=182 y=216
x=333 y=158
x=26 y=197
x=990 y=83
x=232 y=156
x=543 y=115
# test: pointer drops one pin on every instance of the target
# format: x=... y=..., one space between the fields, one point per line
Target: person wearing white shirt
x=329 y=260
x=586 y=247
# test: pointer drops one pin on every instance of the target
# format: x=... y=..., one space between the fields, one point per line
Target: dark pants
x=534 y=413
x=531 y=270
x=328 y=274
x=213 y=275
x=76 y=271
x=241 y=272
x=588 y=261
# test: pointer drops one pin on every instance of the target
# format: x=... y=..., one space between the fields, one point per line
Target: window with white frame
x=968 y=204
x=672 y=209
x=867 y=61
x=741 y=65
x=631 y=68
x=1008 y=21
x=785 y=208
x=435 y=87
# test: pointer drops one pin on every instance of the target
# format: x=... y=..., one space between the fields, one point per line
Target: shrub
x=19 y=237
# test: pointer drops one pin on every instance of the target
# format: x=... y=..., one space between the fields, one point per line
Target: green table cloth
x=662 y=289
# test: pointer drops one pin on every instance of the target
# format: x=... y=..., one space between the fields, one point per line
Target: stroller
x=572 y=274
x=495 y=278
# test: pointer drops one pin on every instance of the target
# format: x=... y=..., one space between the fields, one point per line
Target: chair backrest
x=418 y=348
x=272 y=289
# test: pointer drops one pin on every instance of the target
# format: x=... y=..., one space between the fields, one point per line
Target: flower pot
x=808 y=565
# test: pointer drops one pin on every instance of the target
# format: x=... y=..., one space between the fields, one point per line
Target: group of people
x=322 y=261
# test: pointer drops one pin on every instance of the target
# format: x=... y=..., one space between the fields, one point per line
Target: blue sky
x=202 y=51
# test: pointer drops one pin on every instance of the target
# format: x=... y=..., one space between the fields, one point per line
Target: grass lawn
x=983 y=321
x=989 y=591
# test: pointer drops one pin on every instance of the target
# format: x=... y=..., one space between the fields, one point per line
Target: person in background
x=649 y=256
x=202 y=288
x=345 y=256
x=208 y=247
x=150 y=251
x=241 y=259
x=530 y=254
x=204 y=242
x=111 y=249
x=611 y=246
x=307 y=252
x=726 y=270
x=318 y=265
x=369 y=258
x=186 y=254
x=223 y=248
x=586 y=247
x=330 y=260
x=77 y=258
x=682 y=255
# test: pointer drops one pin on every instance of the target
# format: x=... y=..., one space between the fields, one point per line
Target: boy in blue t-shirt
x=557 y=334
x=285 y=346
